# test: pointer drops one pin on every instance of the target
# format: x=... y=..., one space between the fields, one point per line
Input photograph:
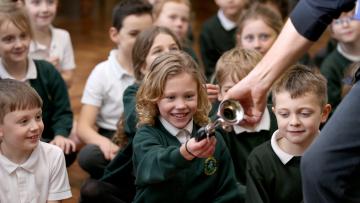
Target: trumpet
x=230 y=113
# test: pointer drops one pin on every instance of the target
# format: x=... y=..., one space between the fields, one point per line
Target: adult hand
x=66 y=144
x=252 y=96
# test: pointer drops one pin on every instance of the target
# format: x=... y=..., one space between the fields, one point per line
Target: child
x=31 y=171
x=15 y=37
x=347 y=33
x=175 y=15
x=102 y=98
x=218 y=32
x=118 y=179
x=50 y=43
x=232 y=67
x=170 y=166
x=257 y=28
x=300 y=106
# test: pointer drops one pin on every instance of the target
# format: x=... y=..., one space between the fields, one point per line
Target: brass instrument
x=230 y=113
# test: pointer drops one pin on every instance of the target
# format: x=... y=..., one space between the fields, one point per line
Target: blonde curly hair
x=152 y=89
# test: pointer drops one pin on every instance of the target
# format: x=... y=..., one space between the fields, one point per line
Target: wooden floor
x=88 y=22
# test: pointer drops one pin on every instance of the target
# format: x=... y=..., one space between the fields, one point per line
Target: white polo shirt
x=105 y=88
x=42 y=177
x=60 y=46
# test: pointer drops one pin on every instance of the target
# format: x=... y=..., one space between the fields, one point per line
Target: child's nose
x=34 y=125
x=294 y=120
x=180 y=103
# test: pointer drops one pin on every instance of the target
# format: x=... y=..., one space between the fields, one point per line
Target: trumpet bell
x=231 y=112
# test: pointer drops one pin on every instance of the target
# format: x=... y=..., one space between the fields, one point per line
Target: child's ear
x=114 y=35
x=325 y=113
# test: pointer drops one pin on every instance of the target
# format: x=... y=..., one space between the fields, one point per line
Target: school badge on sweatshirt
x=210 y=166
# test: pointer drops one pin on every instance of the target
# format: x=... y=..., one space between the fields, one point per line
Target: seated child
x=232 y=67
x=218 y=33
x=15 y=33
x=30 y=170
x=50 y=43
x=102 y=98
x=170 y=165
x=175 y=15
x=300 y=106
x=346 y=31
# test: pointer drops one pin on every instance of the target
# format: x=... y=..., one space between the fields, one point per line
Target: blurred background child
x=175 y=15
x=346 y=31
x=50 y=43
x=218 y=33
x=102 y=97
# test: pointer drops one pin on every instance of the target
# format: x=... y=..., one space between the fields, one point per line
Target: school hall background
x=88 y=22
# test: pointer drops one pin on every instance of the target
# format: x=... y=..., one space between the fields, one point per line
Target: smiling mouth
x=180 y=115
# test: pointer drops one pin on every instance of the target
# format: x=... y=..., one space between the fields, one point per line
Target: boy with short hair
x=102 y=97
x=300 y=106
x=31 y=171
x=346 y=31
x=232 y=67
x=218 y=33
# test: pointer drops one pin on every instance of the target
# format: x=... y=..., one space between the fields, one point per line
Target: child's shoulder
x=50 y=149
x=60 y=33
x=262 y=152
x=212 y=22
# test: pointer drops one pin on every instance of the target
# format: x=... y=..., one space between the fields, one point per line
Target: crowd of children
x=143 y=106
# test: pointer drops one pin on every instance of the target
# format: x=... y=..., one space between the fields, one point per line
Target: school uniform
x=273 y=175
x=60 y=46
x=40 y=178
x=241 y=141
x=217 y=36
x=104 y=89
x=333 y=68
x=164 y=175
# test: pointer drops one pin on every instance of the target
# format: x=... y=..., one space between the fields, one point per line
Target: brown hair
x=236 y=63
x=11 y=12
x=263 y=12
x=151 y=90
x=142 y=46
x=299 y=80
x=16 y=95
x=159 y=6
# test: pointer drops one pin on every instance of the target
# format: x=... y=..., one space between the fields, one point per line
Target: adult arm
x=252 y=90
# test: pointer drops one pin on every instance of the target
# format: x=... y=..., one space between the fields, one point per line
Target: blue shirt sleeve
x=311 y=17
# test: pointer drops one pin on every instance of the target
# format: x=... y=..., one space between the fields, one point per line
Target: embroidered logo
x=210 y=166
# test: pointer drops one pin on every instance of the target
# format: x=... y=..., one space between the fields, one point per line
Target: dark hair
x=16 y=95
x=129 y=7
x=143 y=44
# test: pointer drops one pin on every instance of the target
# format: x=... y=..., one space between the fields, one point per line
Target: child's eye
x=35 y=2
x=305 y=114
x=170 y=97
x=23 y=121
x=249 y=38
x=174 y=48
x=189 y=97
x=284 y=115
x=23 y=35
x=8 y=39
x=264 y=37
x=172 y=17
x=51 y=1
x=38 y=117
x=134 y=33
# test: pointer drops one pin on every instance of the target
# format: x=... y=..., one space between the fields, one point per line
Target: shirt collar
x=225 y=22
x=263 y=125
x=350 y=57
x=31 y=71
x=173 y=130
x=118 y=70
x=283 y=156
x=28 y=165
